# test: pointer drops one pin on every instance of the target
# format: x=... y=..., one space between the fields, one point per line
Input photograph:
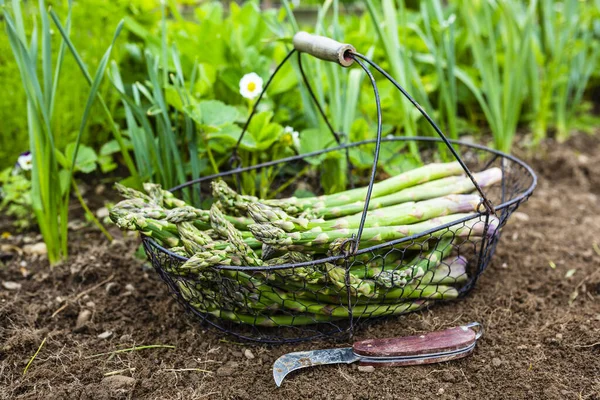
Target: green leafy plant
x=392 y=35
x=566 y=53
x=176 y=127
x=51 y=172
x=89 y=20
x=15 y=197
x=499 y=38
x=438 y=34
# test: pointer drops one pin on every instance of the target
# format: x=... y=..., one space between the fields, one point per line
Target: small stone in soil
x=105 y=335
x=76 y=268
x=90 y=304
x=249 y=355
x=82 y=320
x=448 y=376
x=117 y=243
x=113 y=288
x=9 y=285
x=36 y=249
x=237 y=354
x=129 y=287
x=83 y=317
x=102 y=212
x=441 y=391
x=118 y=382
x=228 y=369
x=366 y=368
x=496 y=362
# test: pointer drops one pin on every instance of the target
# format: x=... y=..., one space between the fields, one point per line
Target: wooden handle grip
x=323 y=48
x=429 y=343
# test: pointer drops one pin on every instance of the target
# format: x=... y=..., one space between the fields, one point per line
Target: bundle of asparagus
x=300 y=247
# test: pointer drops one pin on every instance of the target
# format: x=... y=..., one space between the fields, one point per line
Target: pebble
x=83 y=317
x=249 y=354
x=113 y=288
x=36 y=249
x=117 y=243
x=496 y=362
x=228 y=369
x=118 y=382
x=9 y=285
x=90 y=304
x=100 y=189
x=366 y=368
x=559 y=336
x=129 y=287
x=441 y=391
x=237 y=354
x=448 y=376
x=102 y=212
x=76 y=269
x=105 y=335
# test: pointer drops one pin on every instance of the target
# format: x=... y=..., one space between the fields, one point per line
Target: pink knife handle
x=429 y=343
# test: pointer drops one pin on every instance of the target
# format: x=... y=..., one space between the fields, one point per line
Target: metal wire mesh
x=333 y=295
x=369 y=273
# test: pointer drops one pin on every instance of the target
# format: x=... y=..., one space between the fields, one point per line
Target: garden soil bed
x=539 y=301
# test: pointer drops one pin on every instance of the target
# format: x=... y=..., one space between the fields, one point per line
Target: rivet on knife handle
x=428 y=348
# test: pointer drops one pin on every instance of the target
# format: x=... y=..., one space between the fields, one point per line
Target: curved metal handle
x=324 y=48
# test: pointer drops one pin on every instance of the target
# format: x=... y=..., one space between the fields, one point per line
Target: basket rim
x=238 y=170
x=505 y=205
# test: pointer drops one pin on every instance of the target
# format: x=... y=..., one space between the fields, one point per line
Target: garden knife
x=428 y=348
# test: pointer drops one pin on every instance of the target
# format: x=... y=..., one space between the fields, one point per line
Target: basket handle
x=324 y=48
x=345 y=54
x=361 y=60
x=320 y=47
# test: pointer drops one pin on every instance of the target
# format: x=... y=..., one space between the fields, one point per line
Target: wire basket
x=365 y=281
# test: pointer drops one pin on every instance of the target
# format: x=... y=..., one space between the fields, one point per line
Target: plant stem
x=88 y=212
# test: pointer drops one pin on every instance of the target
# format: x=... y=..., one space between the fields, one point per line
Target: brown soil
x=542 y=322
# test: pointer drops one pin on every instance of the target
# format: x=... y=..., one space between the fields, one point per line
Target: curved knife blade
x=302 y=359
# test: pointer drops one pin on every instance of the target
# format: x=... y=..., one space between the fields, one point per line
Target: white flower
x=251 y=85
x=291 y=137
x=24 y=161
x=296 y=139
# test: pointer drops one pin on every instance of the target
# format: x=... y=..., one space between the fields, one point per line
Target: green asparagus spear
x=307 y=241
x=430 y=190
x=407 y=179
x=403 y=214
